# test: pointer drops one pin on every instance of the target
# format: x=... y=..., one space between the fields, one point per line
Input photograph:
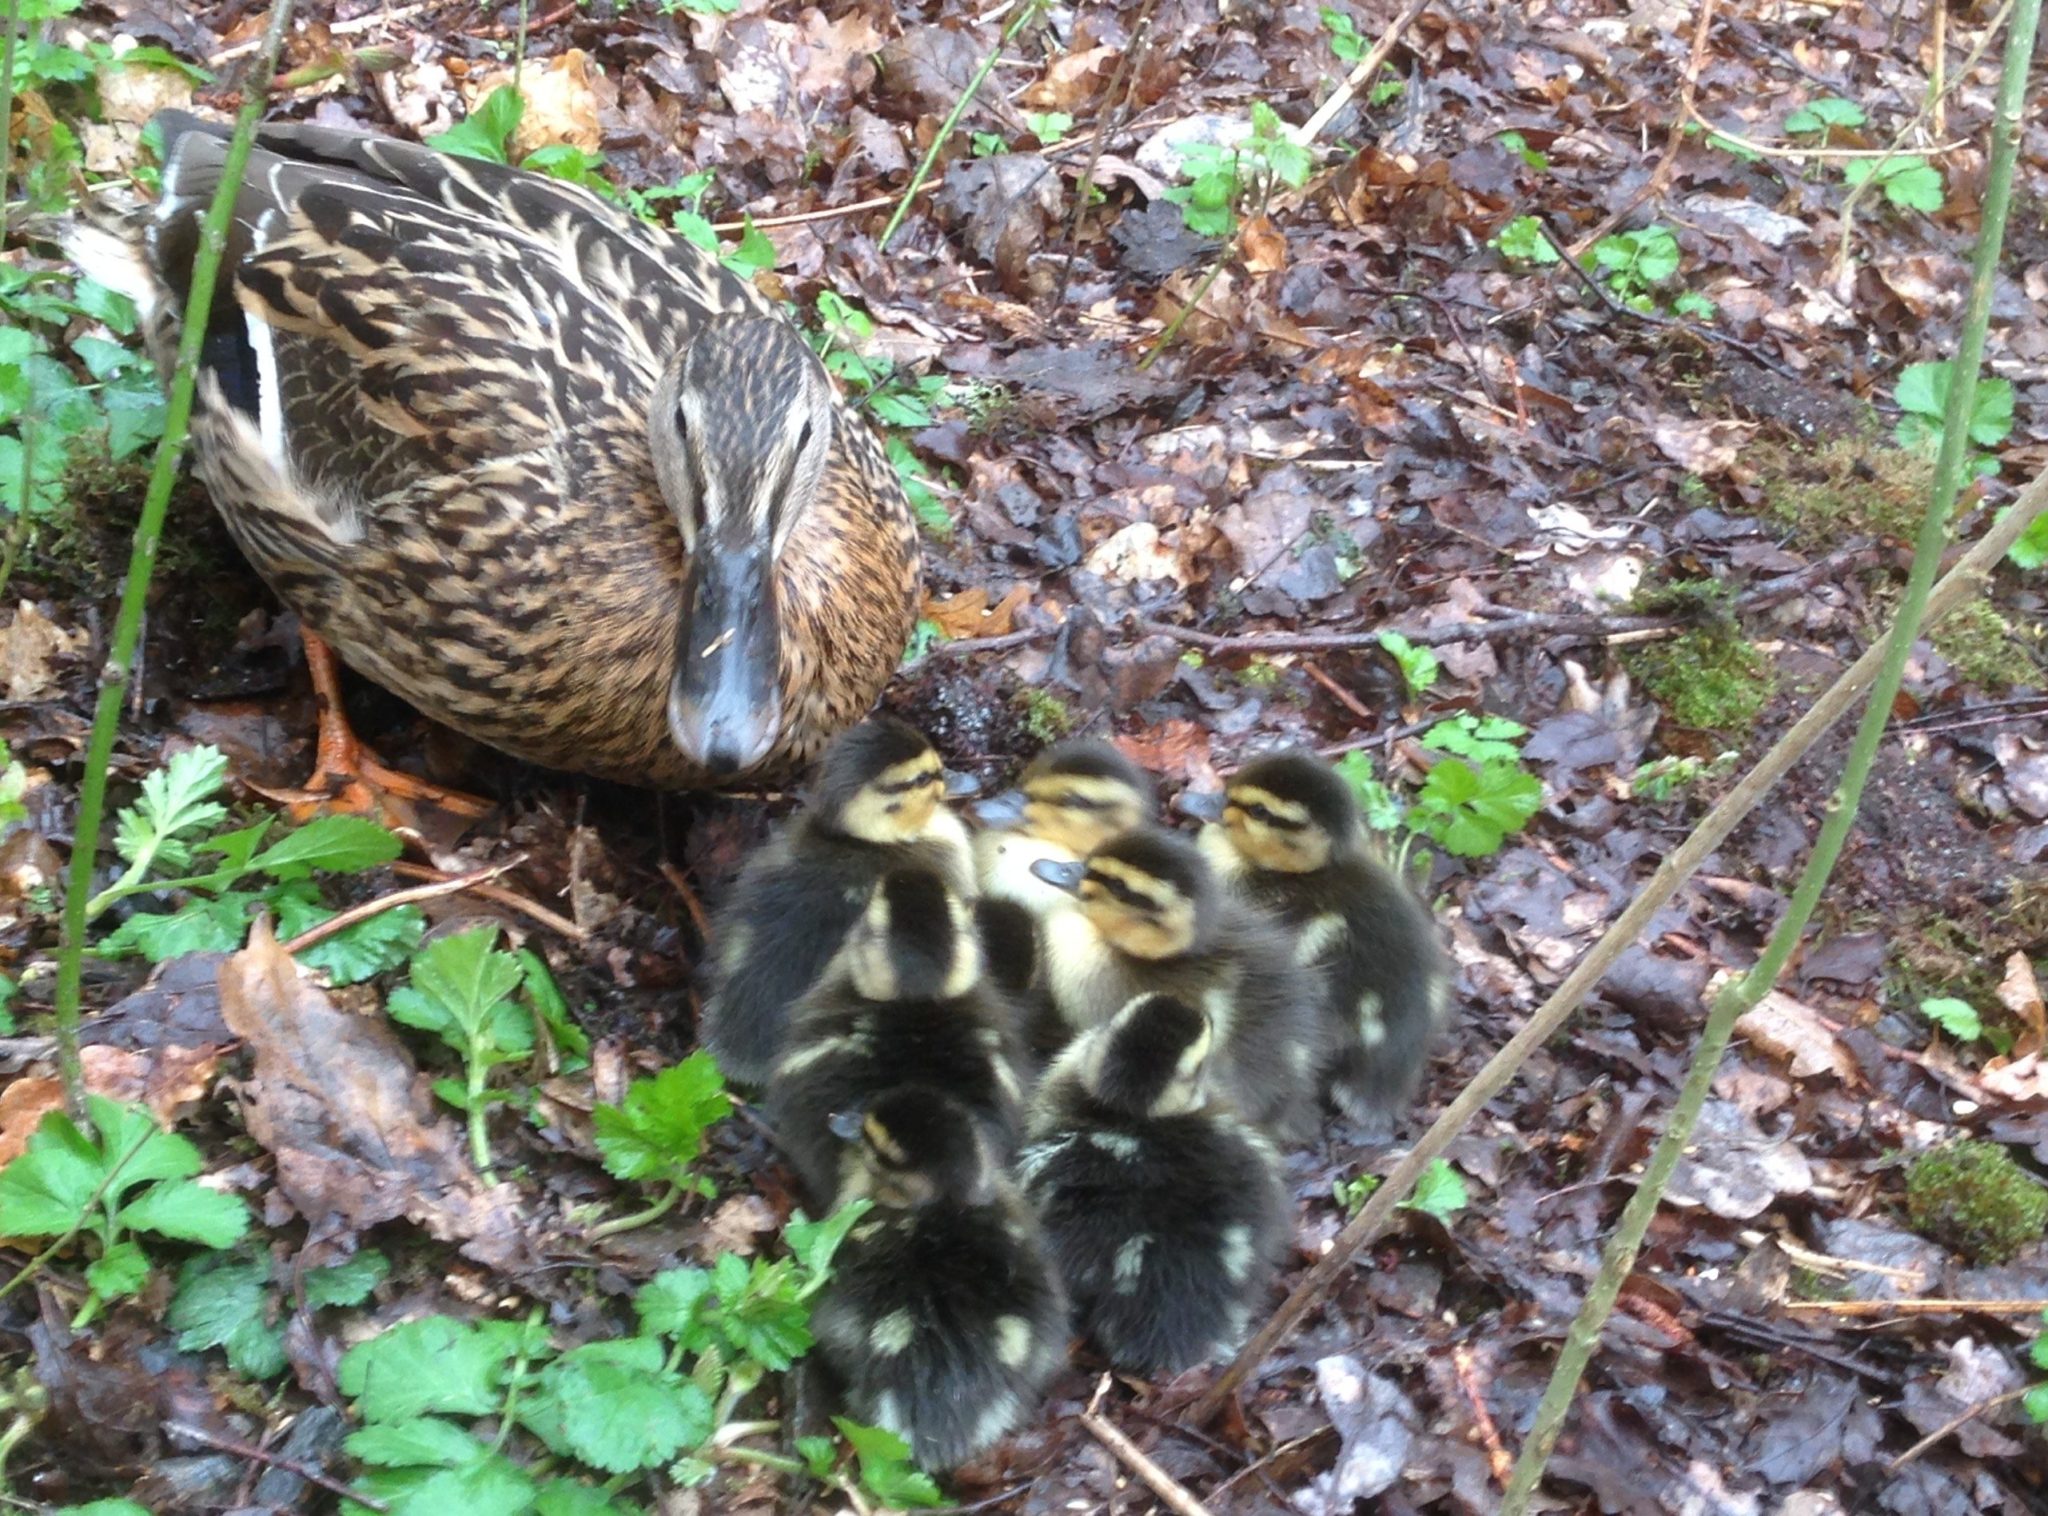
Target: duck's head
x=1075 y=795
x=1149 y=1060
x=915 y=941
x=1287 y=814
x=882 y=782
x=742 y=426
x=910 y=1146
x=1148 y=893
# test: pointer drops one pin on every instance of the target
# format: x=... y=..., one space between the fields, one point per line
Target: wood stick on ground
x=497 y=894
x=1169 y=1490
x=1959 y=584
x=1971 y=1414
x=1914 y=1307
x=270 y=1460
x=1660 y=176
x=341 y=921
x=1357 y=79
x=1498 y=1460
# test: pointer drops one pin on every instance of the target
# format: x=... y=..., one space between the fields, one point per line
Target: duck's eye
x=803 y=439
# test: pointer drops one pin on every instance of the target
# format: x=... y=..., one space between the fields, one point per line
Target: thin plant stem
x=638 y=1219
x=1741 y=994
x=120 y=664
x=1018 y=22
x=7 y=41
x=17 y=529
x=1957 y=586
x=479 y=1075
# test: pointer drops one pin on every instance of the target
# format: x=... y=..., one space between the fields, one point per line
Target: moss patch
x=1973 y=1197
x=1707 y=678
x=1046 y=717
x=1848 y=487
x=1987 y=650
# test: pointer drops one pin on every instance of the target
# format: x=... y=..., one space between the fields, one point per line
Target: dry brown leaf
x=1265 y=248
x=2024 y=1081
x=1786 y=1028
x=23 y=1105
x=1175 y=750
x=1705 y=447
x=28 y=646
x=2020 y=993
x=171 y=1080
x=1071 y=80
x=563 y=100
x=968 y=614
x=351 y=1122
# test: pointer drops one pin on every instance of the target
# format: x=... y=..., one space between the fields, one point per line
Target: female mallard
x=554 y=476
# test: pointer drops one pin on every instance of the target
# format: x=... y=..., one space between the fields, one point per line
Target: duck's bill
x=1203 y=805
x=1004 y=810
x=1065 y=873
x=845 y=1125
x=725 y=700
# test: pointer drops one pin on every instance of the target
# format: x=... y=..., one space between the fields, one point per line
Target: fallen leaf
x=2020 y=993
x=23 y=1105
x=28 y=646
x=1733 y=1169
x=968 y=614
x=1705 y=447
x=1265 y=247
x=1070 y=80
x=563 y=100
x=1786 y=1028
x=1176 y=749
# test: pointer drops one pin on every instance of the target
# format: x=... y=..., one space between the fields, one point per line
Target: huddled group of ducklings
x=1057 y=1056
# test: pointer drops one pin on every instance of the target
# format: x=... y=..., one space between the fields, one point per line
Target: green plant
x=1484 y=739
x=656 y=1134
x=1522 y=239
x=172 y=824
x=924 y=636
x=1472 y=810
x=1820 y=117
x=461 y=990
x=1517 y=144
x=1911 y=183
x=236 y=1303
x=986 y=144
x=1956 y=1017
x=1922 y=393
x=1440 y=1192
x=699 y=7
x=894 y=399
x=2031 y=551
x=1636 y=262
x=751 y=255
x=1419 y=666
x=115 y=1178
x=1345 y=41
x=1376 y=802
x=1973 y=1197
x=1046 y=716
x=1664 y=777
x=1049 y=127
x=1222 y=179
x=1351 y=1194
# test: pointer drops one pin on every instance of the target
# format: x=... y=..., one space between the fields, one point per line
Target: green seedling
x=1522 y=239
x=1345 y=41
x=1471 y=811
x=1223 y=179
x=1419 y=666
x=1440 y=1192
x=1911 y=183
x=1819 y=118
x=1922 y=393
x=1956 y=1017
x=656 y=1135
x=1664 y=777
x=238 y=1303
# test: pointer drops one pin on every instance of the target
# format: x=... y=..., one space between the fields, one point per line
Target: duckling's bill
x=1062 y=873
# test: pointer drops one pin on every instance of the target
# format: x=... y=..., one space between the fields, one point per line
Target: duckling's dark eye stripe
x=1123 y=892
x=905 y=786
x=1272 y=818
x=1082 y=803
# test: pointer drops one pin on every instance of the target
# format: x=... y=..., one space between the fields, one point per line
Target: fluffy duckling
x=906 y=1001
x=943 y=1320
x=1069 y=799
x=1153 y=919
x=876 y=806
x=1162 y=1207
x=1287 y=836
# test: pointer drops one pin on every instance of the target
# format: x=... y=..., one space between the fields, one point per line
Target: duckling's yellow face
x=898 y=804
x=1079 y=812
x=878 y=1167
x=1272 y=832
x=1136 y=912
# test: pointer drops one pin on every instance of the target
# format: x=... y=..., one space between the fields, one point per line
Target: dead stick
x=1946 y=1427
x=1958 y=585
x=343 y=920
x=828 y=213
x=1161 y=1483
x=498 y=894
x=1914 y=1307
x=272 y=1460
x=1498 y=1459
x=1369 y=65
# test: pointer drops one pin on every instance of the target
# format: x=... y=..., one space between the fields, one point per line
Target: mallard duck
x=1069 y=798
x=1162 y=1207
x=943 y=1320
x=905 y=1002
x=876 y=805
x=1286 y=834
x=548 y=472
x=1154 y=920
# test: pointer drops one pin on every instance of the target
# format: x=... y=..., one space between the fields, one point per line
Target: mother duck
x=555 y=477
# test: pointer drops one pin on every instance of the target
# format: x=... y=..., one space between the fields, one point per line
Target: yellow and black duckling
x=1069 y=799
x=548 y=472
x=1286 y=834
x=877 y=805
x=1154 y=920
x=944 y=1319
x=905 y=1002
x=1163 y=1208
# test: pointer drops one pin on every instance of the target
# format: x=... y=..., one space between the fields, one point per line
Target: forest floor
x=1639 y=515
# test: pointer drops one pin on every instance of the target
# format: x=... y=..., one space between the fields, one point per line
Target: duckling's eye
x=1272 y=818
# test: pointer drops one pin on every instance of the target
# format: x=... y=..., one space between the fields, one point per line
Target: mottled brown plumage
x=506 y=440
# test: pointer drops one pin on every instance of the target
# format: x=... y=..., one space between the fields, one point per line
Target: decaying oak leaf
x=349 y=1120
x=969 y=614
x=1788 y=1029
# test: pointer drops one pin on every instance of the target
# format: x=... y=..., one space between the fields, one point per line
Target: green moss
x=1985 y=649
x=1708 y=678
x=1973 y=1197
x=1847 y=488
x=1260 y=674
x=1046 y=716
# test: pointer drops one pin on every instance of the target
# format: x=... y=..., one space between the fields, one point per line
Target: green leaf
x=1819 y=115
x=658 y=1130
x=137 y=1149
x=201 y=926
x=1440 y=1192
x=814 y=1242
x=819 y=1454
x=346 y=1283
x=1382 y=809
x=1692 y=303
x=1471 y=811
x=424 y=1441
x=368 y=948
x=1923 y=389
x=754 y=253
x=1048 y=126
x=571 y=1041
x=1914 y=185
x=337 y=844
x=157 y=57
x=2038 y=1351
x=492 y=1486
x=615 y=1406
x=175 y=802
x=120 y=1271
x=226 y=1302
x=672 y=1304
x=1956 y=1017
x=431 y=1364
x=487 y=133
x=561 y=160
x=2031 y=550
x=102 y=1508
x=461 y=989
x=188 y=1212
x=2036 y=1401
x=885 y=1467
x=1523 y=239
x=45 y=1191
x=566 y=1497
x=1418 y=665
x=760 y=1312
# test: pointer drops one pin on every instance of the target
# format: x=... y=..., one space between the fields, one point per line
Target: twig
x=1661 y=174
x=336 y=28
x=149 y=531
x=1337 y=692
x=805 y=218
x=1119 y=91
x=964 y=646
x=1369 y=65
x=1958 y=585
x=1498 y=1460
x=1915 y=1307
x=268 y=1459
x=7 y=40
x=1169 y=1490
x=1803 y=154
x=1618 y=1260
x=498 y=895
x=341 y=921
x=691 y=903
x=1969 y=1414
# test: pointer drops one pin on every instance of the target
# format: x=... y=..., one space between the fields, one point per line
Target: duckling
x=1069 y=798
x=1162 y=1207
x=944 y=1319
x=906 y=1000
x=875 y=807
x=1153 y=919
x=1287 y=836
